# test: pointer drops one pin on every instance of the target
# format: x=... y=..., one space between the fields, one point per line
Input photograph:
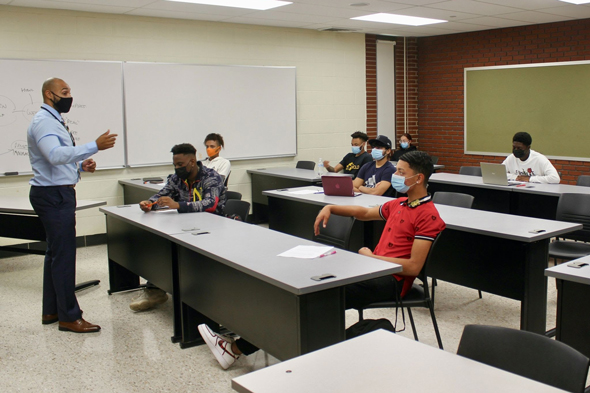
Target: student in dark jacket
x=354 y=161
x=405 y=145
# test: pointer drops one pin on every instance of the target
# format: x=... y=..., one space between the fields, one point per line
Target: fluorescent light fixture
x=260 y=5
x=576 y=1
x=399 y=19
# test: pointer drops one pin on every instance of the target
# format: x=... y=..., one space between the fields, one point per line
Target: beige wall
x=330 y=79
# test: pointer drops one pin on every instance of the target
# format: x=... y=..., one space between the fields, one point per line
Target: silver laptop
x=496 y=174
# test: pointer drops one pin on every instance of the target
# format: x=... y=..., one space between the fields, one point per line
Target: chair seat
x=568 y=249
x=414 y=298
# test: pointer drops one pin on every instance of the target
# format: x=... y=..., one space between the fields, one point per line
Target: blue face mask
x=399 y=183
x=377 y=154
x=404 y=145
x=356 y=149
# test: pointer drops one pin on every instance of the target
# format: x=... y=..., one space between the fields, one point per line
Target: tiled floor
x=133 y=352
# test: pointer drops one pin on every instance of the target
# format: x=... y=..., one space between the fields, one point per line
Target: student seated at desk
x=214 y=144
x=528 y=165
x=375 y=177
x=353 y=162
x=192 y=188
x=405 y=145
x=412 y=224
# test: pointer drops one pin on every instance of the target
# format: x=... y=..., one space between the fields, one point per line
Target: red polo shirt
x=404 y=224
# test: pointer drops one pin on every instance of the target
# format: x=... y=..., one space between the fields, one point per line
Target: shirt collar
x=52 y=111
x=416 y=202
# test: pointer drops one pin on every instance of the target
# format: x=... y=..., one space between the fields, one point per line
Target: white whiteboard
x=253 y=108
x=98 y=106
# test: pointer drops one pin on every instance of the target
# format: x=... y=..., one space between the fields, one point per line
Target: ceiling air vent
x=338 y=30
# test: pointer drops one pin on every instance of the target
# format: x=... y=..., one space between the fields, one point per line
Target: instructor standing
x=57 y=163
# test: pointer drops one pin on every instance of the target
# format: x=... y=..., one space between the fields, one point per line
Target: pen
x=328 y=253
x=319 y=192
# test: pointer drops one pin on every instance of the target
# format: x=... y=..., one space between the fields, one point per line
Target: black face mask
x=182 y=172
x=64 y=104
x=518 y=153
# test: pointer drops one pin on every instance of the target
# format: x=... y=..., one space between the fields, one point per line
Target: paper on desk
x=306 y=252
x=303 y=192
x=162 y=211
x=161 y=184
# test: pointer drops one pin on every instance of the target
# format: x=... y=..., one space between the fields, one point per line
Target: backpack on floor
x=368 y=325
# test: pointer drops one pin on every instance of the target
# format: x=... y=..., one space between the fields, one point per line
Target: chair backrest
x=337 y=232
x=233 y=195
x=423 y=275
x=530 y=355
x=237 y=207
x=305 y=165
x=434 y=160
x=575 y=208
x=470 y=170
x=453 y=199
x=584 y=180
x=227 y=179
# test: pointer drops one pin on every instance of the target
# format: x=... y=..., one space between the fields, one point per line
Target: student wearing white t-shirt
x=214 y=144
x=528 y=165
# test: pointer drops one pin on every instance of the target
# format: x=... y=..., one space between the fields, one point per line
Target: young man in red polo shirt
x=412 y=224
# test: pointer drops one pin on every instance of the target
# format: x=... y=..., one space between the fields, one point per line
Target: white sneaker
x=149 y=298
x=220 y=346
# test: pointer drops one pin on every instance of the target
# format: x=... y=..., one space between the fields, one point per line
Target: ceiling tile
x=574 y=11
x=176 y=14
x=495 y=22
x=175 y=6
x=526 y=4
x=426 y=12
x=473 y=7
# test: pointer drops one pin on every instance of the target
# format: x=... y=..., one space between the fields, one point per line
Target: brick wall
x=371 y=83
x=441 y=61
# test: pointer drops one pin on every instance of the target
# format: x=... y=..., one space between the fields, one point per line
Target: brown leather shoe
x=48 y=319
x=79 y=326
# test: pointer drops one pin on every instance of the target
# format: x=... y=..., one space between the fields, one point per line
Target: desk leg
x=533 y=311
x=121 y=279
x=191 y=319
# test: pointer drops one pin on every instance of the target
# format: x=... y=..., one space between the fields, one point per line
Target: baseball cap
x=381 y=141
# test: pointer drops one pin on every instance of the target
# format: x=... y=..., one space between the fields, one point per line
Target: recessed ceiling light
x=399 y=19
x=577 y=1
x=249 y=4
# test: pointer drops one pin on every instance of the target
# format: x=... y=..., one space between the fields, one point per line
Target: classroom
x=337 y=89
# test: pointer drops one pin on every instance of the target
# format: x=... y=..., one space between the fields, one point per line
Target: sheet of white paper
x=306 y=252
x=303 y=192
x=161 y=184
x=169 y=211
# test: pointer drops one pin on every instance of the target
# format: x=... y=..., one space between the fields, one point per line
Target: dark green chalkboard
x=550 y=101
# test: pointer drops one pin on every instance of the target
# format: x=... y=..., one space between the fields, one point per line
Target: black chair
x=417 y=296
x=226 y=181
x=337 y=232
x=584 y=180
x=470 y=170
x=527 y=354
x=237 y=208
x=453 y=199
x=434 y=160
x=233 y=195
x=572 y=208
x=305 y=165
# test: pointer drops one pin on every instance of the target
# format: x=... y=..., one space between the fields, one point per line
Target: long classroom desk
x=18 y=220
x=232 y=275
x=573 y=304
x=493 y=252
x=382 y=361
x=136 y=190
x=264 y=179
x=532 y=200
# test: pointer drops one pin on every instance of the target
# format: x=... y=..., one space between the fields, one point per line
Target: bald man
x=57 y=163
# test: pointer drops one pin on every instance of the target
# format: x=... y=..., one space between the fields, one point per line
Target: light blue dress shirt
x=54 y=158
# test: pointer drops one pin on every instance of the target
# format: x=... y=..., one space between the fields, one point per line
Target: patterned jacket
x=205 y=194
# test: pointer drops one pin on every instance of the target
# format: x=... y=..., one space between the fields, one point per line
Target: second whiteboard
x=254 y=108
